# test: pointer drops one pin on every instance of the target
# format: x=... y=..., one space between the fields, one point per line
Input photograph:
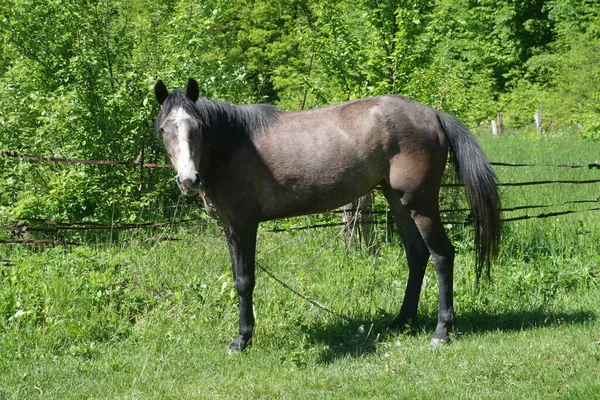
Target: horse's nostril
x=197 y=180
x=190 y=183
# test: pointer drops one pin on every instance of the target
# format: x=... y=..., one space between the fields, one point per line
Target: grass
x=153 y=320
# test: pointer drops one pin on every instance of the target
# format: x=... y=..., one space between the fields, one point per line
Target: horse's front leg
x=242 y=249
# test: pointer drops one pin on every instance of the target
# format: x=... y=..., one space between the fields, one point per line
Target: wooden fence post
x=497 y=125
x=538 y=119
x=358 y=221
x=500 y=124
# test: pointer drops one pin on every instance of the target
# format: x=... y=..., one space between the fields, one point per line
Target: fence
x=25 y=225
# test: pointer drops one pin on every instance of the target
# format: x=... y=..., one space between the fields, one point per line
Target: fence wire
x=22 y=227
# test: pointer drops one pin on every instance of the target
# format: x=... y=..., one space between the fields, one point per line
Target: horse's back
x=398 y=139
x=326 y=157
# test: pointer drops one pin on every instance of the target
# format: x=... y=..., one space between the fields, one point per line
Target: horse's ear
x=192 y=90
x=160 y=92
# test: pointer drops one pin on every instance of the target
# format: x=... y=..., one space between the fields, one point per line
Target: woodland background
x=117 y=314
x=76 y=78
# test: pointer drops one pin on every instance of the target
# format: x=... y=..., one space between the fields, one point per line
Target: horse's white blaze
x=184 y=160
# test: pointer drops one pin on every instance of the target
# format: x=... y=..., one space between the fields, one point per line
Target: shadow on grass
x=340 y=339
x=475 y=322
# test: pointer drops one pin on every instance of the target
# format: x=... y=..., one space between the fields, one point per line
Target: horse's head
x=180 y=128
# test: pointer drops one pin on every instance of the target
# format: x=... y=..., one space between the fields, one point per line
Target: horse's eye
x=161 y=131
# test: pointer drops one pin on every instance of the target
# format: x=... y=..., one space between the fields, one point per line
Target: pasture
x=140 y=319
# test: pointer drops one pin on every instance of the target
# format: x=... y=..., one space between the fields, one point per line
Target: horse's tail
x=475 y=170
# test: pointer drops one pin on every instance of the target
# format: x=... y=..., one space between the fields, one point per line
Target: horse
x=254 y=163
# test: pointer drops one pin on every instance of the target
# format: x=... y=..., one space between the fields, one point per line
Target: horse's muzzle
x=189 y=186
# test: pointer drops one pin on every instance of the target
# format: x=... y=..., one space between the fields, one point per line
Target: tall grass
x=151 y=320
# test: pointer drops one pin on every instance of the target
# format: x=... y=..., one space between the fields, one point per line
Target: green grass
x=153 y=320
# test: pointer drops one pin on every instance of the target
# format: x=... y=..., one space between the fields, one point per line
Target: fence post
x=538 y=119
x=497 y=125
x=358 y=221
x=500 y=124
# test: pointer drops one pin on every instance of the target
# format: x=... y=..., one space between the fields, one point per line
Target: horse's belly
x=322 y=192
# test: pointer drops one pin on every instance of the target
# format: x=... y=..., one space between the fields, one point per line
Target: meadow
x=151 y=320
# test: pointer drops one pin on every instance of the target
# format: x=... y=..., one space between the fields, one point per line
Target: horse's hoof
x=238 y=345
x=439 y=342
x=396 y=327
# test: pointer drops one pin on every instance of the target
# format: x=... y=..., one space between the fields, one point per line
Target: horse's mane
x=249 y=120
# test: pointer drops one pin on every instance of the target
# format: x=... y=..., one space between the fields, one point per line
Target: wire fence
x=134 y=163
x=20 y=229
x=137 y=162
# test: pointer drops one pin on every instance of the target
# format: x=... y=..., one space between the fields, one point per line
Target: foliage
x=151 y=320
x=564 y=78
x=76 y=78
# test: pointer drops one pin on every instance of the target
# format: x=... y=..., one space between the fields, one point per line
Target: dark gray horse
x=256 y=163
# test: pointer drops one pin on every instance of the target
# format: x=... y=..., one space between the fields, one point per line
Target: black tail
x=476 y=172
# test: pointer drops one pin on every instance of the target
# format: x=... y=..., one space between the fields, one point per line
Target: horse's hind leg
x=423 y=235
x=417 y=255
x=425 y=213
